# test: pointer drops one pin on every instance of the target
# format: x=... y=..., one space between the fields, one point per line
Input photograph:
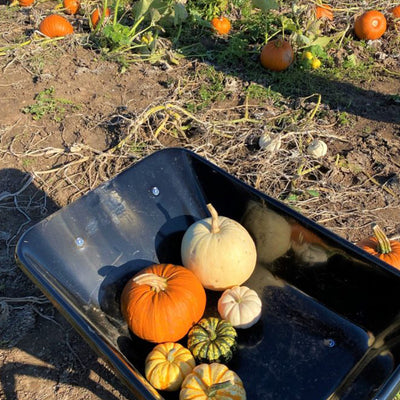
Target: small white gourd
x=270 y=142
x=317 y=148
x=241 y=306
x=270 y=231
x=219 y=251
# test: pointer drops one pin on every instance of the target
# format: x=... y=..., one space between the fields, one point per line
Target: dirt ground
x=48 y=162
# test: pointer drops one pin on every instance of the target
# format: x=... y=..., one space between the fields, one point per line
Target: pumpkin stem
x=156 y=282
x=384 y=246
x=213 y=389
x=214 y=219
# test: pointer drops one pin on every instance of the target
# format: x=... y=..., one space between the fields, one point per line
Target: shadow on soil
x=52 y=349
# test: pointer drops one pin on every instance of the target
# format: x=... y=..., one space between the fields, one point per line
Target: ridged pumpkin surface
x=370 y=26
x=71 y=6
x=25 y=3
x=371 y=246
x=167 y=365
x=56 y=26
x=162 y=302
x=198 y=384
x=277 y=55
x=212 y=340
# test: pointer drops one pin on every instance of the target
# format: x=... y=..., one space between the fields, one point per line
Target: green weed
x=47 y=104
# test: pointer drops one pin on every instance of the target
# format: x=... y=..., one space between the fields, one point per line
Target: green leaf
x=322 y=41
x=313 y=193
x=265 y=5
x=180 y=13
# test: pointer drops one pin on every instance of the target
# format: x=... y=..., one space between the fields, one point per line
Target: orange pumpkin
x=55 y=26
x=380 y=246
x=396 y=11
x=25 y=3
x=277 y=55
x=162 y=302
x=96 y=15
x=370 y=26
x=324 y=11
x=221 y=25
x=71 y=6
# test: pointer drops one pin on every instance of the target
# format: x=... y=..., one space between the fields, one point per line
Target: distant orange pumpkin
x=25 y=3
x=370 y=26
x=324 y=11
x=221 y=25
x=96 y=15
x=277 y=55
x=71 y=6
x=396 y=11
x=55 y=26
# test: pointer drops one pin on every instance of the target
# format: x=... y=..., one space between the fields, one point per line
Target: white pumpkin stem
x=214 y=218
x=213 y=389
x=156 y=282
x=384 y=246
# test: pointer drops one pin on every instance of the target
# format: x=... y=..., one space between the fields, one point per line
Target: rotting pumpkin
x=55 y=26
x=162 y=302
x=380 y=246
x=324 y=11
x=277 y=55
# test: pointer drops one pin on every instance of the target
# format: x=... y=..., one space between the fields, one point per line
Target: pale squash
x=167 y=365
x=219 y=251
x=241 y=306
x=270 y=231
x=212 y=381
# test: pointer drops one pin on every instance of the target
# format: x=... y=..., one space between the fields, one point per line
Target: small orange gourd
x=167 y=365
x=162 y=302
x=221 y=25
x=324 y=11
x=277 y=55
x=71 y=6
x=396 y=11
x=55 y=26
x=370 y=26
x=380 y=246
x=96 y=15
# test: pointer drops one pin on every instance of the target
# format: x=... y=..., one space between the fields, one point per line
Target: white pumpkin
x=241 y=306
x=270 y=231
x=317 y=148
x=219 y=251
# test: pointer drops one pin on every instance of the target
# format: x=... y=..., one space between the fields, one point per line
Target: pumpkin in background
x=23 y=3
x=240 y=306
x=277 y=55
x=396 y=11
x=219 y=251
x=167 y=365
x=380 y=246
x=324 y=11
x=162 y=302
x=221 y=25
x=370 y=26
x=71 y=6
x=56 y=26
x=270 y=231
x=212 y=340
x=96 y=15
x=212 y=381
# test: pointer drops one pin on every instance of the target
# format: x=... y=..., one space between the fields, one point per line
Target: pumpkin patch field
x=299 y=99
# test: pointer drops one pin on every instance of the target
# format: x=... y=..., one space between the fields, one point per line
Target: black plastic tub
x=330 y=327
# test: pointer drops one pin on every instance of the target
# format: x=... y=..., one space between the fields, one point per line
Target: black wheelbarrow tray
x=330 y=325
